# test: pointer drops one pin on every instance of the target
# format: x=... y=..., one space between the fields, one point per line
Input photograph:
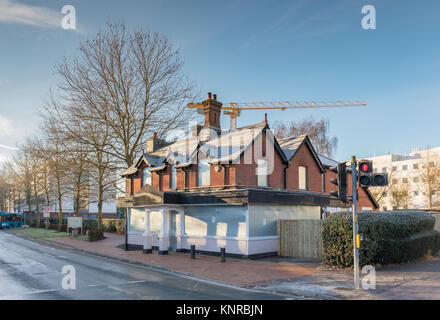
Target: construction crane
x=233 y=109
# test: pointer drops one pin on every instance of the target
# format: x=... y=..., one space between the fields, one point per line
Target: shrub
x=95 y=234
x=389 y=237
x=90 y=224
x=113 y=225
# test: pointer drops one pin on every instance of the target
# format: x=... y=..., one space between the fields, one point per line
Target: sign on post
x=74 y=223
x=46 y=212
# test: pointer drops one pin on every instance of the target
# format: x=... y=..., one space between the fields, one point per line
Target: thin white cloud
x=8 y=147
x=6 y=127
x=17 y=13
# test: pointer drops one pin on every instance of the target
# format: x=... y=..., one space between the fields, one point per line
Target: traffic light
x=341 y=181
x=368 y=179
x=380 y=179
x=365 y=178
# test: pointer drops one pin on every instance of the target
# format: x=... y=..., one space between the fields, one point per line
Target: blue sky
x=254 y=51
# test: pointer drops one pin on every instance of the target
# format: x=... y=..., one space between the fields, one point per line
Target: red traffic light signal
x=368 y=179
x=365 y=166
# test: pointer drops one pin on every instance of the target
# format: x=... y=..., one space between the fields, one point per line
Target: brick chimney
x=212 y=111
x=152 y=144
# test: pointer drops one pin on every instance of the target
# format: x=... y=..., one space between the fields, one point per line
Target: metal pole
x=126 y=229
x=355 y=222
x=223 y=254
x=193 y=251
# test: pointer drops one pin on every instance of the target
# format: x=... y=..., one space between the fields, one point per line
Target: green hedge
x=108 y=225
x=389 y=237
x=95 y=234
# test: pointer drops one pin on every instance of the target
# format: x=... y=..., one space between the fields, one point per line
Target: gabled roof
x=130 y=170
x=240 y=140
x=227 y=147
x=327 y=162
x=291 y=145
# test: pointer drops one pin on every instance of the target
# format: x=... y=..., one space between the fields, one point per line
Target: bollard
x=223 y=254
x=193 y=251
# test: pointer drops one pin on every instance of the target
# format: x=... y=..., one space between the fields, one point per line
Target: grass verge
x=39 y=233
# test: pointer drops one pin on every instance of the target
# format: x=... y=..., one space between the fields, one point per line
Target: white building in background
x=404 y=171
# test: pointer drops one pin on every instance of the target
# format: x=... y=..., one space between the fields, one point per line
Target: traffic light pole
x=355 y=223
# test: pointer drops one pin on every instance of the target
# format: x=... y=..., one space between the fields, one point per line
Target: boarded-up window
x=203 y=173
x=173 y=177
x=136 y=222
x=302 y=178
x=262 y=172
x=146 y=176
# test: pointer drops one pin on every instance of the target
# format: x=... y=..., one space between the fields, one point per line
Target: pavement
x=295 y=278
x=33 y=270
x=239 y=272
x=418 y=280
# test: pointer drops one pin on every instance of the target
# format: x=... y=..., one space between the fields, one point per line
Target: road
x=31 y=270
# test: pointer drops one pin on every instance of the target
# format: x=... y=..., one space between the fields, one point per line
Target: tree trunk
x=37 y=207
x=100 y=189
x=28 y=200
x=60 y=205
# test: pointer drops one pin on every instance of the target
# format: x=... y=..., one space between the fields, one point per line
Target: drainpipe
x=224 y=175
x=285 y=176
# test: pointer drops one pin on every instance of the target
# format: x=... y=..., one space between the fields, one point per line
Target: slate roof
x=291 y=144
x=227 y=146
x=327 y=162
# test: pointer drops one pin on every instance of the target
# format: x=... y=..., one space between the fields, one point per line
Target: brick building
x=225 y=188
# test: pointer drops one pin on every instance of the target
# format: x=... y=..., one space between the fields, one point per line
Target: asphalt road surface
x=31 y=270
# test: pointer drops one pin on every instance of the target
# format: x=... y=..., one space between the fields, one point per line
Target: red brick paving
x=235 y=271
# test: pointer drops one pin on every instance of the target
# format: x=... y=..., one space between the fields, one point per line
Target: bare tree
x=429 y=173
x=317 y=130
x=80 y=124
x=133 y=83
x=78 y=187
x=57 y=153
x=400 y=195
x=21 y=165
x=380 y=193
x=32 y=164
x=6 y=190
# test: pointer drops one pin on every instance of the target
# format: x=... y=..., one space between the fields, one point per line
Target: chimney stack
x=152 y=143
x=212 y=111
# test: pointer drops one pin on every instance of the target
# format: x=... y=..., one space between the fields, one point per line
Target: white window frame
x=262 y=176
x=302 y=181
